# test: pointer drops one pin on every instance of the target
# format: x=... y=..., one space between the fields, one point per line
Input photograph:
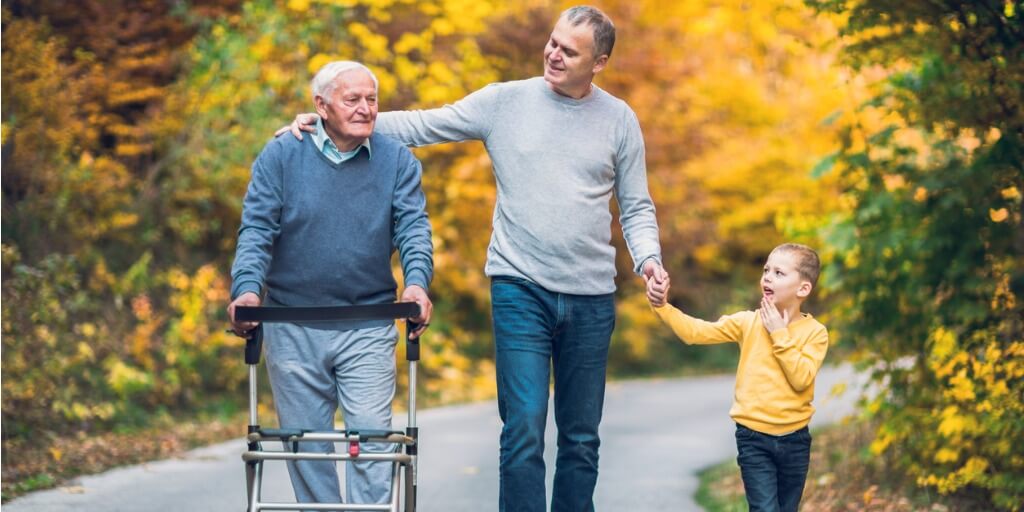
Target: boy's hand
x=657 y=291
x=770 y=316
x=302 y=123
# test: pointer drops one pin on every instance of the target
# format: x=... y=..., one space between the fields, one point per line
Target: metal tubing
x=395 y=478
x=401 y=458
x=412 y=393
x=334 y=437
x=256 y=489
x=320 y=506
x=252 y=395
x=410 y=497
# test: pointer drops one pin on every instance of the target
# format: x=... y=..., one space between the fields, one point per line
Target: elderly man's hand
x=302 y=123
x=415 y=293
x=245 y=299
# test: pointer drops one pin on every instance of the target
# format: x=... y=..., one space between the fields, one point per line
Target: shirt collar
x=326 y=146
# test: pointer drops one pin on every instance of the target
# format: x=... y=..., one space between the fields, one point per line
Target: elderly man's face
x=569 y=60
x=352 y=111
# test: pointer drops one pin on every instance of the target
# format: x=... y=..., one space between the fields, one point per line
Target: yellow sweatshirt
x=775 y=376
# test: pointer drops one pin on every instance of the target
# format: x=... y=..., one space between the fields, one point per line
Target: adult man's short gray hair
x=324 y=82
x=604 y=30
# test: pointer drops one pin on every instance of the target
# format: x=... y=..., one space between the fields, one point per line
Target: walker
x=403 y=464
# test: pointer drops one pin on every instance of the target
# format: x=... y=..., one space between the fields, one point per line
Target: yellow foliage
x=961 y=387
x=124 y=379
x=881 y=443
x=299 y=5
x=946 y=455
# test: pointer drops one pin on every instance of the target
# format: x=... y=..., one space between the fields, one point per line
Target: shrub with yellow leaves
x=928 y=251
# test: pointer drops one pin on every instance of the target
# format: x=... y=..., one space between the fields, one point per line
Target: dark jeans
x=774 y=468
x=536 y=330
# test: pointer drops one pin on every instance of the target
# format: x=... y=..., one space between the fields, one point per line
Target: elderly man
x=320 y=222
x=561 y=147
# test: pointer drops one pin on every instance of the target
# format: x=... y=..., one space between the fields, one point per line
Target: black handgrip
x=412 y=345
x=326 y=313
x=254 y=345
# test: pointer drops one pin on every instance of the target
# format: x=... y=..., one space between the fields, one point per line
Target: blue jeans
x=536 y=330
x=774 y=468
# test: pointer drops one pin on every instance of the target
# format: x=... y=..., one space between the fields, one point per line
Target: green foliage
x=106 y=316
x=32 y=483
x=927 y=255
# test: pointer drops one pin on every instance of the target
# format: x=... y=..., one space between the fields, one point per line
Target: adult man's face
x=350 y=114
x=569 y=60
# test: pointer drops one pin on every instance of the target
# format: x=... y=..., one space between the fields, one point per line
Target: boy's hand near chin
x=771 y=317
x=657 y=292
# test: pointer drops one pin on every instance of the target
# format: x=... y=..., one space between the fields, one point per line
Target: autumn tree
x=928 y=252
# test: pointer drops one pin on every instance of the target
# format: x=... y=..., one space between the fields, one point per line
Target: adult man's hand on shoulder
x=415 y=293
x=302 y=123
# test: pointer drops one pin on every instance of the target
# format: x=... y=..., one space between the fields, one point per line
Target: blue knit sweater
x=318 y=233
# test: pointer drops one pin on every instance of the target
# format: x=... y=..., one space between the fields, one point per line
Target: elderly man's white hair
x=324 y=82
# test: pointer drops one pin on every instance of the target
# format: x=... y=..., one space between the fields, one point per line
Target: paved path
x=657 y=434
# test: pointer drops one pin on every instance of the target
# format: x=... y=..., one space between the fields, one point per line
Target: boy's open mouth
x=768 y=292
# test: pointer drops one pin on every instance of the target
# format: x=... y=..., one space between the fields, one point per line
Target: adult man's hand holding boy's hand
x=657 y=291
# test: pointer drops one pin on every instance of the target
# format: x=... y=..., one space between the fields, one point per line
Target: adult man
x=320 y=221
x=560 y=147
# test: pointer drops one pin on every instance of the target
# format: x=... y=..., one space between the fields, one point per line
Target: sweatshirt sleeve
x=412 y=234
x=800 y=356
x=636 y=209
x=261 y=224
x=694 y=331
x=467 y=119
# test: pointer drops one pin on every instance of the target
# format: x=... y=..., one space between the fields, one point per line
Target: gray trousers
x=311 y=371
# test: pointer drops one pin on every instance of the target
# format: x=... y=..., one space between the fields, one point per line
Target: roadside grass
x=843 y=476
x=721 y=489
x=47 y=459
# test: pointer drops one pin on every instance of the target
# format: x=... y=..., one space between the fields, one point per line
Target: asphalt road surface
x=656 y=436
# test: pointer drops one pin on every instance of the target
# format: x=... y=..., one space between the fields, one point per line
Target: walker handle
x=412 y=345
x=254 y=345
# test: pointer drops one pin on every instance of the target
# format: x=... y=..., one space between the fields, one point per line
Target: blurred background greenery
x=887 y=134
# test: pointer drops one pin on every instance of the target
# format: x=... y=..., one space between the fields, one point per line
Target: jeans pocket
x=743 y=433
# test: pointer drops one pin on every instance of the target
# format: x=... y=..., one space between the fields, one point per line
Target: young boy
x=781 y=350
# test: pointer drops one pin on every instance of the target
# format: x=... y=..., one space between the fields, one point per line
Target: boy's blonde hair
x=808 y=264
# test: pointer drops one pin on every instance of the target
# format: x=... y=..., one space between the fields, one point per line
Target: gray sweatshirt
x=315 y=232
x=557 y=162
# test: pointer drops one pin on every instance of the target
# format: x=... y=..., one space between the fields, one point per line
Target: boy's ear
x=804 y=290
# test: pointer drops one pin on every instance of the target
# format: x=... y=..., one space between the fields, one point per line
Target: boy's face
x=780 y=281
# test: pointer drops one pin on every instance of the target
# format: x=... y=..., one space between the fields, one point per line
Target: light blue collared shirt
x=330 y=150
